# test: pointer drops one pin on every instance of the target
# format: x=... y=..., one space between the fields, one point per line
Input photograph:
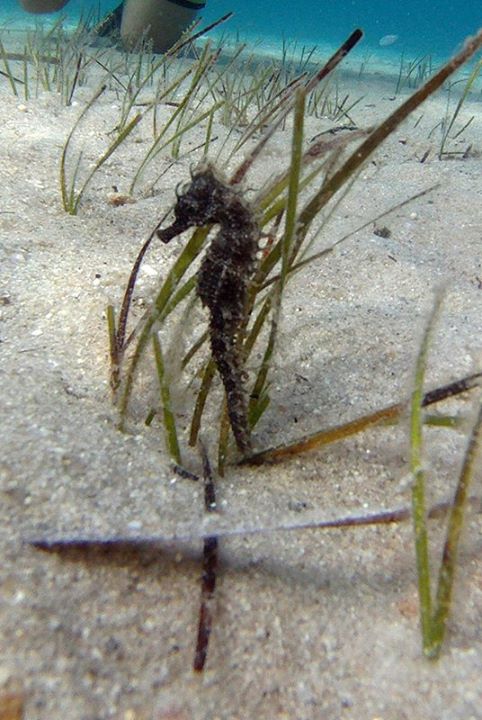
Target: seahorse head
x=197 y=202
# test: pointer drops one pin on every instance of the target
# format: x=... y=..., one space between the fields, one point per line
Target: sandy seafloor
x=308 y=625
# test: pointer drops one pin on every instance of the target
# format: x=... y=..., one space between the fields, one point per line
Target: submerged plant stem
x=455 y=524
x=363 y=152
x=340 y=432
x=418 y=487
x=208 y=579
x=172 y=441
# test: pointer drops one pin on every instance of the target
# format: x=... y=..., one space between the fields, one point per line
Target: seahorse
x=224 y=278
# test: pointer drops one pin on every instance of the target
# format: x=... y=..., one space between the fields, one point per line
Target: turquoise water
x=412 y=21
x=413 y=26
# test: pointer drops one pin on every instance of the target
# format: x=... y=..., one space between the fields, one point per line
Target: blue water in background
x=422 y=26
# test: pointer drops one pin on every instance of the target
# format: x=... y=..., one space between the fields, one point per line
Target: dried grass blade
x=182 y=264
x=68 y=200
x=224 y=435
x=208 y=579
x=357 y=158
x=289 y=103
x=207 y=379
x=455 y=524
x=105 y=156
x=170 y=430
x=418 y=474
x=339 y=432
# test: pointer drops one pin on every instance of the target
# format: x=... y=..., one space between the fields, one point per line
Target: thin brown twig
x=210 y=561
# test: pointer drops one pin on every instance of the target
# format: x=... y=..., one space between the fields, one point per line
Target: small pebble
x=150 y=271
x=134 y=525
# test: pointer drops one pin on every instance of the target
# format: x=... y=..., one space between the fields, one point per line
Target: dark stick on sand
x=208 y=580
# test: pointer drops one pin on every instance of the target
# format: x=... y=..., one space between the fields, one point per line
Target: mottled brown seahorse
x=223 y=279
